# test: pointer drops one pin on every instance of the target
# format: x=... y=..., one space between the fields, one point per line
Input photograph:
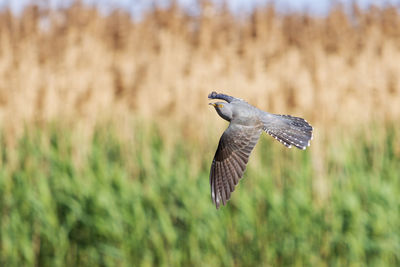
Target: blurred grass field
x=107 y=139
x=143 y=202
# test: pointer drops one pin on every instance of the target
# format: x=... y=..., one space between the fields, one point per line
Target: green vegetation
x=146 y=202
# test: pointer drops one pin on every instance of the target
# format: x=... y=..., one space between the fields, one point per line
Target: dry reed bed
x=77 y=65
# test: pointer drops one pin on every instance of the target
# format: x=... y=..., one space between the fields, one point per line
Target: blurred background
x=107 y=136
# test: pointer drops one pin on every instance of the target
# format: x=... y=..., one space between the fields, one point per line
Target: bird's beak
x=213 y=104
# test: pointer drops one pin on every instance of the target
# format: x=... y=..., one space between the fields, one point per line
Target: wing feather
x=231 y=157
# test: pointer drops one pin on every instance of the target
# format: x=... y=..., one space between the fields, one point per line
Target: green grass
x=147 y=202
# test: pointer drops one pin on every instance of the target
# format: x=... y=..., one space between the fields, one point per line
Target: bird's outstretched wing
x=230 y=160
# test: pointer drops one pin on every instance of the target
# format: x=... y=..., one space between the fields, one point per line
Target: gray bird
x=246 y=125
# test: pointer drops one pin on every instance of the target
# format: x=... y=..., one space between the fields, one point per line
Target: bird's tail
x=289 y=130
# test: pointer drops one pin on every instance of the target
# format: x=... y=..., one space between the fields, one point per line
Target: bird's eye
x=220 y=105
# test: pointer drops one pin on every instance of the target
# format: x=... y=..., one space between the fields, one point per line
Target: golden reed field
x=79 y=66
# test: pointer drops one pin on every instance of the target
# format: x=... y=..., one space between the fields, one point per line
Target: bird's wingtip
x=212 y=94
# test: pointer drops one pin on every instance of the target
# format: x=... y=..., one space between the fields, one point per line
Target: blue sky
x=136 y=6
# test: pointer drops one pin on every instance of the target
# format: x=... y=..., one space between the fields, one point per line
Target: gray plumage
x=246 y=125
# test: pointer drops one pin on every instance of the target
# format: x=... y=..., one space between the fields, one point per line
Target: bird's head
x=224 y=109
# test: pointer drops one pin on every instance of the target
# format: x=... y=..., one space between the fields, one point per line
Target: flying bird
x=246 y=125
